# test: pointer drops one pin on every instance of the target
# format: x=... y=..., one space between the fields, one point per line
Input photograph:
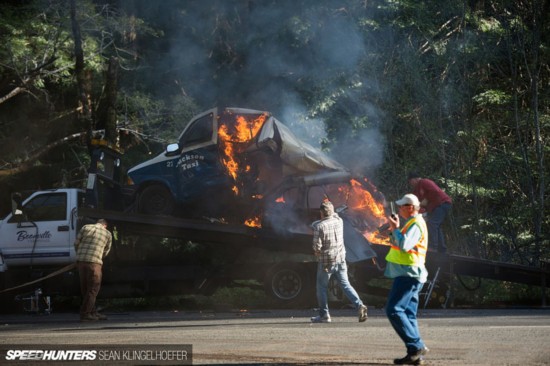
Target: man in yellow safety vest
x=405 y=264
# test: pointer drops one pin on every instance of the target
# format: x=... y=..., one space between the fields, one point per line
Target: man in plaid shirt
x=92 y=244
x=328 y=246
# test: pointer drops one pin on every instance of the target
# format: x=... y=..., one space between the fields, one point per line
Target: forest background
x=455 y=90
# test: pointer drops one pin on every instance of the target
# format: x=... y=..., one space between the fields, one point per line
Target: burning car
x=244 y=166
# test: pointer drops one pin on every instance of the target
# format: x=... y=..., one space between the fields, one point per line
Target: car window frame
x=212 y=114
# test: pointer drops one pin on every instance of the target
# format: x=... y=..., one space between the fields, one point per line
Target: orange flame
x=280 y=200
x=362 y=199
x=244 y=131
x=253 y=222
x=377 y=237
x=370 y=211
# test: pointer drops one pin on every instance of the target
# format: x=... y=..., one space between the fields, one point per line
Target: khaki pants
x=90 y=283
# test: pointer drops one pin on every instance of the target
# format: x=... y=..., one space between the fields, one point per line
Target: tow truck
x=36 y=239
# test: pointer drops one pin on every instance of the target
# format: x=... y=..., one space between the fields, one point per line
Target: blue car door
x=198 y=169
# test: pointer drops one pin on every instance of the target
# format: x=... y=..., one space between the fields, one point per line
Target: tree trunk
x=85 y=118
x=538 y=200
x=111 y=95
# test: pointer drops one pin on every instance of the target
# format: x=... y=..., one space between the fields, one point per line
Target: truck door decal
x=24 y=235
x=189 y=161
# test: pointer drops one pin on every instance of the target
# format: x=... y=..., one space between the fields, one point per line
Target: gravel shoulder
x=276 y=337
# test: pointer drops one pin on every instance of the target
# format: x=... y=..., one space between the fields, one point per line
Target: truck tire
x=156 y=200
x=290 y=285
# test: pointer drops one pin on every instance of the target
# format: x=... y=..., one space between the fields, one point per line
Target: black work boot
x=409 y=360
x=413 y=358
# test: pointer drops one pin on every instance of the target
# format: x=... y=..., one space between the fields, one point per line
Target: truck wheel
x=289 y=285
x=156 y=200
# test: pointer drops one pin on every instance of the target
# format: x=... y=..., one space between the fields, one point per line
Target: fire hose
x=53 y=274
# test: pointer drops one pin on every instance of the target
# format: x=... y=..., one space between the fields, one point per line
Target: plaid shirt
x=93 y=243
x=328 y=240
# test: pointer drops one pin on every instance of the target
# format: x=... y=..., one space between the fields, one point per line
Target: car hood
x=297 y=156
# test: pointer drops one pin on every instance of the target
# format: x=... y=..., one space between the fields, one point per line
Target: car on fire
x=222 y=154
x=244 y=166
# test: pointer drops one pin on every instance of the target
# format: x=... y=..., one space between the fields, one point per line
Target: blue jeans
x=436 y=239
x=340 y=270
x=401 y=310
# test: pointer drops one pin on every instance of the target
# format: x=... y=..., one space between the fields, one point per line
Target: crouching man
x=92 y=244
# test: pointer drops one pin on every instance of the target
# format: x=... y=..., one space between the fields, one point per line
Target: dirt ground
x=286 y=337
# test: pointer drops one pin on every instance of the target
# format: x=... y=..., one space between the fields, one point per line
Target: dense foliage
x=456 y=90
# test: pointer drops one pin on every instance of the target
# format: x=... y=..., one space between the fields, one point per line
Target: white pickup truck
x=37 y=239
x=43 y=231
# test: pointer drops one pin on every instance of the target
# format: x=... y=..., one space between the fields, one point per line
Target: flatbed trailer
x=283 y=263
x=494 y=270
x=452 y=265
x=294 y=266
x=202 y=230
x=442 y=267
x=281 y=260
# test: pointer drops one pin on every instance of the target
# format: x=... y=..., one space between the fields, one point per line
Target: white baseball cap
x=409 y=199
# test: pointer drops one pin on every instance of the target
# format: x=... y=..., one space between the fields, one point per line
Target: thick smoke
x=285 y=49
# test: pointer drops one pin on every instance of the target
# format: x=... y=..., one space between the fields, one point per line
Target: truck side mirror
x=17 y=209
x=172 y=149
x=16 y=204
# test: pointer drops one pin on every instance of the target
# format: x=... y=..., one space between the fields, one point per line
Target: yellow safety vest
x=417 y=255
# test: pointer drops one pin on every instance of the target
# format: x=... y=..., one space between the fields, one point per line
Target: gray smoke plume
x=268 y=55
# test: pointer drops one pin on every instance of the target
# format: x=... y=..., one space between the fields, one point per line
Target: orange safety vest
x=417 y=255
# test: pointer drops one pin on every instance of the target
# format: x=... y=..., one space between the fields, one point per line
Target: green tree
x=457 y=90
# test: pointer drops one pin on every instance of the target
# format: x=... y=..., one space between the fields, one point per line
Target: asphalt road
x=281 y=337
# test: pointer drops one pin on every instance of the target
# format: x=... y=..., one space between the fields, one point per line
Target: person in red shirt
x=436 y=203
